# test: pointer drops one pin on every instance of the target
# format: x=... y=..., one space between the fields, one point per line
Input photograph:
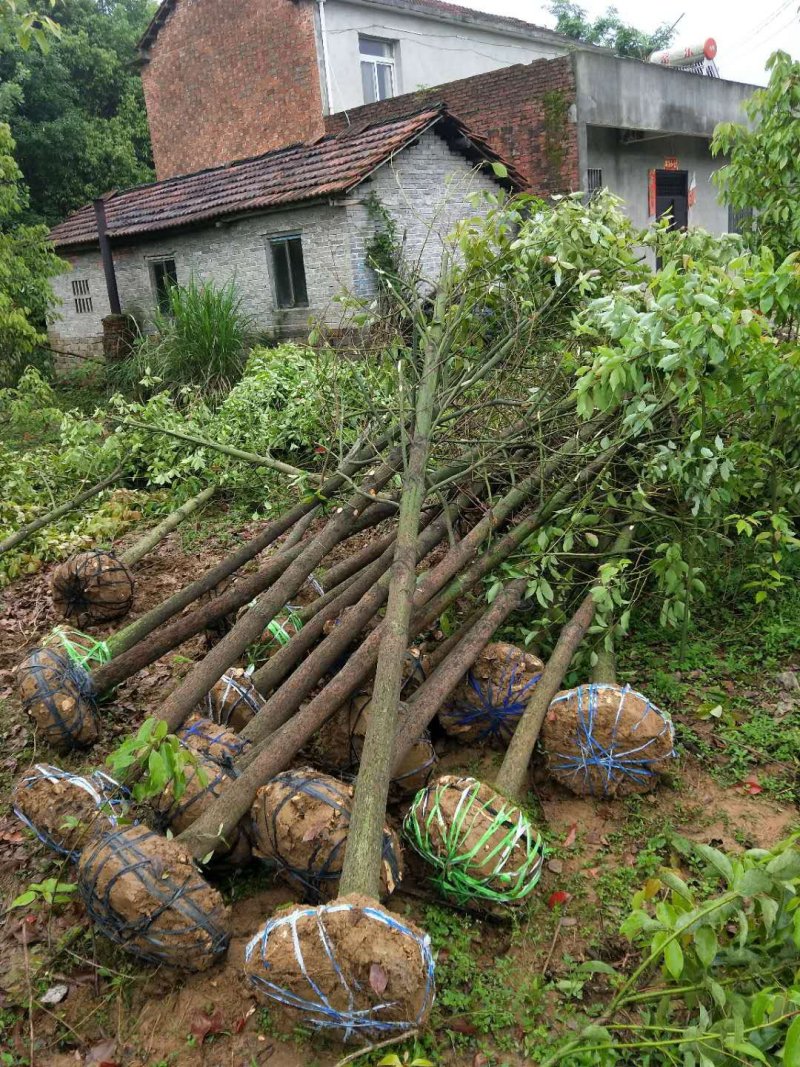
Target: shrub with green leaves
x=160 y=757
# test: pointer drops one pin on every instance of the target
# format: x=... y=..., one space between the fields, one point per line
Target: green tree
x=609 y=30
x=762 y=179
x=20 y=23
x=77 y=111
x=27 y=263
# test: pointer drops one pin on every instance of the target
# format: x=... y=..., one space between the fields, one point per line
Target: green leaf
x=791 y=1048
x=24 y=899
x=706 y=945
x=718 y=860
x=500 y=171
x=673 y=958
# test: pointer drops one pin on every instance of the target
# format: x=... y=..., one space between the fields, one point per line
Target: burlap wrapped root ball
x=64 y=809
x=204 y=781
x=57 y=694
x=350 y=968
x=301 y=819
x=339 y=743
x=489 y=702
x=79 y=648
x=144 y=892
x=483 y=848
x=232 y=701
x=607 y=740
x=206 y=738
x=92 y=587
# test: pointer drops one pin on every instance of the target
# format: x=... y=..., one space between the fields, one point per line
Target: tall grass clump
x=200 y=339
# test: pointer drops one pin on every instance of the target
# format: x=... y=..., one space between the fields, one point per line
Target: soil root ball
x=350 y=968
x=301 y=820
x=92 y=587
x=206 y=738
x=489 y=702
x=204 y=781
x=607 y=740
x=57 y=694
x=63 y=809
x=483 y=848
x=340 y=742
x=144 y=893
x=232 y=701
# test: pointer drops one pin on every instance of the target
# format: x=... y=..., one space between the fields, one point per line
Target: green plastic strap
x=455 y=865
x=277 y=627
x=82 y=649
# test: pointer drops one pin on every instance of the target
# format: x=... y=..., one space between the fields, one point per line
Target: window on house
x=594 y=181
x=289 y=272
x=81 y=296
x=164 y=276
x=377 y=68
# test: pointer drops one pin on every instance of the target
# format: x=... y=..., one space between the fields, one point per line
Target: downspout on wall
x=326 y=65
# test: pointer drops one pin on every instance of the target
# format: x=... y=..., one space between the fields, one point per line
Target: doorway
x=672 y=197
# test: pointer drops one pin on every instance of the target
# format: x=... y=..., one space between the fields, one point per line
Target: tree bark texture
x=149 y=541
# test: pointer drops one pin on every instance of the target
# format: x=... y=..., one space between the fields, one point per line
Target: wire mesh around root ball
x=487 y=705
x=232 y=701
x=63 y=809
x=203 y=782
x=607 y=740
x=92 y=587
x=349 y=968
x=143 y=892
x=482 y=847
x=207 y=738
x=301 y=820
x=58 y=696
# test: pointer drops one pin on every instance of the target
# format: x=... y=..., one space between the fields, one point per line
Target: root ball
x=482 y=847
x=145 y=894
x=206 y=738
x=350 y=968
x=233 y=701
x=63 y=809
x=57 y=695
x=607 y=740
x=489 y=702
x=92 y=587
x=301 y=820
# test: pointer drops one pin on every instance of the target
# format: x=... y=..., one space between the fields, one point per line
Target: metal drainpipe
x=325 y=59
x=108 y=259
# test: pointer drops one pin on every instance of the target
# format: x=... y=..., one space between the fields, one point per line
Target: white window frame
x=376 y=61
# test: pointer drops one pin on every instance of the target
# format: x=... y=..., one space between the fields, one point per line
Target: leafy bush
x=728 y=951
x=292 y=399
x=201 y=340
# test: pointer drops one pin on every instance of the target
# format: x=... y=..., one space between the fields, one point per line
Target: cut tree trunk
x=24 y=532
x=149 y=541
x=513 y=775
x=182 y=700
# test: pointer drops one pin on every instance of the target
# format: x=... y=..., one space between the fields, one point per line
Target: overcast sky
x=746 y=32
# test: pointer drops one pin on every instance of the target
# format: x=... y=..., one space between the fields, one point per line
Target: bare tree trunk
x=24 y=532
x=360 y=456
x=513 y=775
x=199 y=681
x=149 y=541
x=227 y=450
x=361 y=871
x=440 y=683
x=249 y=586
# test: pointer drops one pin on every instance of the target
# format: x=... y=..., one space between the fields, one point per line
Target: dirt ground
x=117 y=1011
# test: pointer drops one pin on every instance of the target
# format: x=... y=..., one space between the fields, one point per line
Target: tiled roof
x=440 y=7
x=333 y=165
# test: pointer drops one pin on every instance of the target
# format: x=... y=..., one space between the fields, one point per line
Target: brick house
x=226 y=78
x=291 y=227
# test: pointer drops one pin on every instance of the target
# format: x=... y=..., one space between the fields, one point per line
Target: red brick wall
x=523 y=111
x=226 y=79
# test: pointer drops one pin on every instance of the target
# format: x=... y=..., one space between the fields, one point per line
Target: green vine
x=556 y=106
